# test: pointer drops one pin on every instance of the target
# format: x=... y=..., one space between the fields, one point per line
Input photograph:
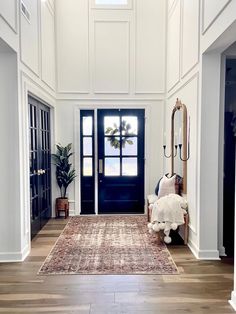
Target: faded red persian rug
x=108 y=245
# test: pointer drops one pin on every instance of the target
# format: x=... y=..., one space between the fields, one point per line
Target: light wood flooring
x=201 y=287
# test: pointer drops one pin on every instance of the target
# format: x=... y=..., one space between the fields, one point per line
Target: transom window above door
x=112 y=4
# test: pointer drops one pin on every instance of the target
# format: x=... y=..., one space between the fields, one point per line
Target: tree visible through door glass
x=112 y=146
x=130 y=125
x=112 y=125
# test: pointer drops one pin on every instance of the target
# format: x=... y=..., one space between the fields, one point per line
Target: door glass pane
x=87 y=167
x=129 y=167
x=87 y=146
x=112 y=125
x=129 y=125
x=112 y=146
x=112 y=166
x=87 y=125
x=129 y=146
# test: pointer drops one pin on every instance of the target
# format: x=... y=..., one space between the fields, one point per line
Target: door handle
x=100 y=166
x=40 y=171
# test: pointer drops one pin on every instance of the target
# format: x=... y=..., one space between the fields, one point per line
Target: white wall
x=198 y=31
x=183 y=83
x=104 y=52
x=10 y=242
x=112 y=58
x=30 y=69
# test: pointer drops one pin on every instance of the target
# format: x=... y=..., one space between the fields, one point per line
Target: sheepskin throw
x=167 y=213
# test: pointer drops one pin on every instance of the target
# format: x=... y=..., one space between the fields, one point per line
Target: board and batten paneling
x=188 y=94
x=170 y=4
x=190 y=35
x=150 y=46
x=173 y=48
x=111 y=56
x=52 y=4
x=29 y=39
x=211 y=9
x=8 y=11
x=48 y=46
x=72 y=46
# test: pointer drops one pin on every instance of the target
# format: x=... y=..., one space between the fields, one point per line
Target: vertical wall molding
x=205 y=26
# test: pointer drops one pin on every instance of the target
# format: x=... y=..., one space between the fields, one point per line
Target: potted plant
x=65 y=175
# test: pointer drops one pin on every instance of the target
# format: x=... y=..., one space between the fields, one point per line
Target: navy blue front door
x=120 y=161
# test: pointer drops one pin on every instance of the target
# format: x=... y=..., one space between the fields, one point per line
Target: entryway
x=112 y=161
x=40 y=164
x=229 y=157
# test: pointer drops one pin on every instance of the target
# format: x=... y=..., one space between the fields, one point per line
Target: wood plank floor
x=202 y=286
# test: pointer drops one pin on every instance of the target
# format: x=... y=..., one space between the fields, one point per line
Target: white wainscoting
x=173 y=48
x=48 y=45
x=190 y=35
x=211 y=10
x=8 y=11
x=150 y=46
x=72 y=47
x=29 y=38
x=111 y=57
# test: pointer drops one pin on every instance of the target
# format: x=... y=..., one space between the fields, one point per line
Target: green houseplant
x=65 y=175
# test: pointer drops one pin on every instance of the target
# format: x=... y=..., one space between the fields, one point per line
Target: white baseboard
x=72 y=212
x=11 y=257
x=232 y=302
x=209 y=255
x=203 y=254
x=193 y=248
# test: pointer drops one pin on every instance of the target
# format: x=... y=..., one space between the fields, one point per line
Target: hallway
x=202 y=286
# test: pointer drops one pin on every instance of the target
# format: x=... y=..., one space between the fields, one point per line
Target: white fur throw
x=152 y=198
x=168 y=213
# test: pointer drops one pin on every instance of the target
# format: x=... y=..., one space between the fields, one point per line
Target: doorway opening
x=229 y=157
x=112 y=161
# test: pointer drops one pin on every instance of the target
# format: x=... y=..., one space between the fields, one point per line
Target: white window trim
x=127 y=6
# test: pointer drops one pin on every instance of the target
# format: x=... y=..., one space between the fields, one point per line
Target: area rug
x=108 y=245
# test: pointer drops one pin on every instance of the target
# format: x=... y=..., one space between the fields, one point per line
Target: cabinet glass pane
x=112 y=166
x=87 y=146
x=112 y=146
x=87 y=125
x=129 y=125
x=129 y=146
x=87 y=167
x=111 y=125
x=129 y=166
